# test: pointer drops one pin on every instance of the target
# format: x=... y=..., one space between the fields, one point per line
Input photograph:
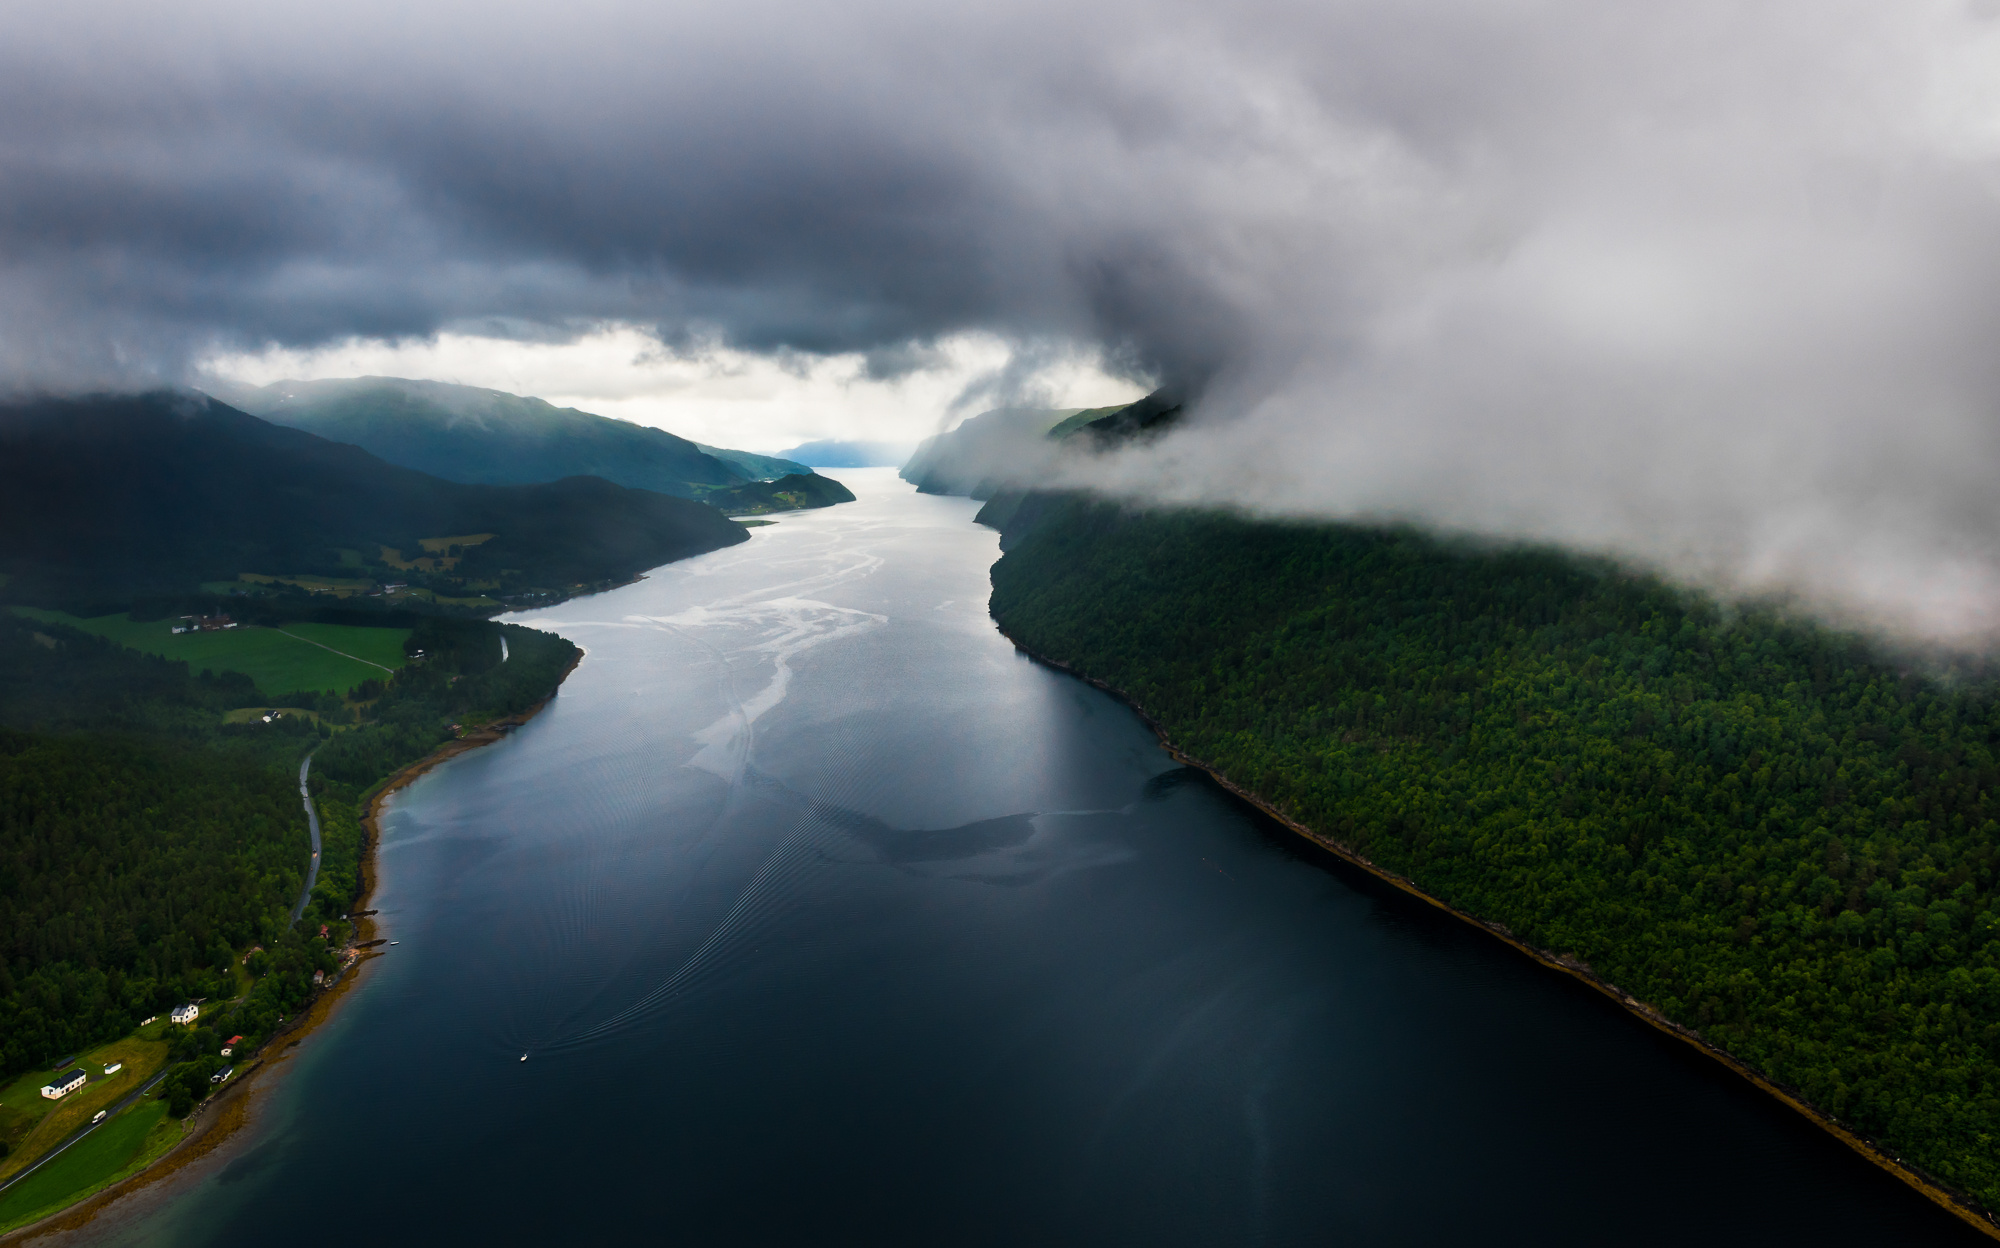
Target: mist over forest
x=1705 y=288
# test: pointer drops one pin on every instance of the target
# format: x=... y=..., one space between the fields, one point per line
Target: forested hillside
x=1766 y=829
x=484 y=437
x=146 y=842
x=103 y=500
x=790 y=493
x=490 y=437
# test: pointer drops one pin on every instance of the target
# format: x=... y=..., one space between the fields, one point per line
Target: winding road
x=312 y=821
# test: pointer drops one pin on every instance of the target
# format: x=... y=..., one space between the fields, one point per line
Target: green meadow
x=122 y=1144
x=331 y=658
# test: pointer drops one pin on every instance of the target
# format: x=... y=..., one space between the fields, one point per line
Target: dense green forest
x=1768 y=830
x=146 y=845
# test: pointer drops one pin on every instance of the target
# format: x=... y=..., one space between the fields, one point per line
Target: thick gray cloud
x=1705 y=284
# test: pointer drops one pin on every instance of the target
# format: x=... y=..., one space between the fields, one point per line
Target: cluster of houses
x=204 y=624
x=75 y=1079
x=70 y=1080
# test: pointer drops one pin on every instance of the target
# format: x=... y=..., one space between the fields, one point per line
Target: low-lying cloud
x=1709 y=285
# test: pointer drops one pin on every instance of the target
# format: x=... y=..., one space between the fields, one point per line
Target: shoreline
x=216 y=1120
x=1961 y=1206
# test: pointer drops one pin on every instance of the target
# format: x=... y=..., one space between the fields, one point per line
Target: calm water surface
x=824 y=917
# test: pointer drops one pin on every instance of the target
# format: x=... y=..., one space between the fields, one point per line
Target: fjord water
x=823 y=916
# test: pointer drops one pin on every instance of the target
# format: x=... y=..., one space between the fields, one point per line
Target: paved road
x=312 y=821
x=88 y=1127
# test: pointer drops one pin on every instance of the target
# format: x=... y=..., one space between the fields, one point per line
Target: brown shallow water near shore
x=215 y=1134
x=1960 y=1205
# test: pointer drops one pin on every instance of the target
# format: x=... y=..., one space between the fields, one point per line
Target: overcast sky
x=1708 y=285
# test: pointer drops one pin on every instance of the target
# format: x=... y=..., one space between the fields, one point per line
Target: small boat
x=395 y=942
x=524 y=1057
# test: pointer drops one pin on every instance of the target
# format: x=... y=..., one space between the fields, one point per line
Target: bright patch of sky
x=718 y=394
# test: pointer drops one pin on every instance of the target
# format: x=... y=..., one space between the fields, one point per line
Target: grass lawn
x=376 y=645
x=31 y=1124
x=93 y=1162
x=286 y=661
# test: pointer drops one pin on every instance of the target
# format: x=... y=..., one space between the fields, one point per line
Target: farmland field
x=90 y=1163
x=301 y=657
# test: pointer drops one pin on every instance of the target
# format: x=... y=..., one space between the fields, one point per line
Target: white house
x=114 y=1068
x=185 y=1013
x=222 y=1074
x=64 y=1084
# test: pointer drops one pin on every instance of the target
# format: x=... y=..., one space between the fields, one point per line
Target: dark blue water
x=824 y=917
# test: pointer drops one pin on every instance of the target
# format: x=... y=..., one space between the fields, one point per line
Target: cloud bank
x=1707 y=285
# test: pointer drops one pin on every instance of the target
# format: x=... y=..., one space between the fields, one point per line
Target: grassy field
x=96 y=1161
x=31 y=1124
x=337 y=586
x=299 y=657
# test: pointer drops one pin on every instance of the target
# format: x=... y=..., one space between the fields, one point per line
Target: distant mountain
x=838 y=454
x=486 y=437
x=109 y=497
x=754 y=467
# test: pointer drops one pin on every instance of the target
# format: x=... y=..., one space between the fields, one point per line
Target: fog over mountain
x=1708 y=285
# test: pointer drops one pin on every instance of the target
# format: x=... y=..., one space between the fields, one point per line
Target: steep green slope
x=108 y=498
x=1765 y=829
x=487 y=437
x=755 y=467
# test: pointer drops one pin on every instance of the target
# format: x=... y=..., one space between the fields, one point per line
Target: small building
x=228 y=1049
x=64 y=1084
x=185 y=1013
x=236 y=1039
x=222 y=1075
x=114 y=1068
x=319 y=977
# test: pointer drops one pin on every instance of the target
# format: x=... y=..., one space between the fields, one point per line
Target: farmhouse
x=64 y=1084
x=185 y=1013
